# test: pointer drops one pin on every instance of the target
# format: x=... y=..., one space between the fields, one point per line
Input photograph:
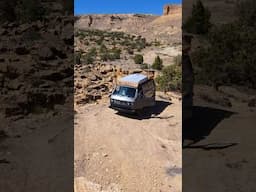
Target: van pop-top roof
x=133 y=80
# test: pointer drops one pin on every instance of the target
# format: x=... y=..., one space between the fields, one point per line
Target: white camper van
x=133 y=93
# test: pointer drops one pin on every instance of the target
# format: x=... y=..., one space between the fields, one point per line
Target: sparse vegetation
x=170 y=80
x=230 y=57
x=109 y=45
x=89 y=57
x=144 y=66
x=199 y=21
x=158 y=63
x=138 y=59
x=109 y=54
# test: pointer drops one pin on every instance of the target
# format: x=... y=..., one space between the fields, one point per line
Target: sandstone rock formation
x=171 y=9
x=166 y=29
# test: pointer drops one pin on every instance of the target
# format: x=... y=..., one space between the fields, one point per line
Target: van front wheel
x=139 y=112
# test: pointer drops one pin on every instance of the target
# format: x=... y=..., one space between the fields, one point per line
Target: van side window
x=140 y=91
x=148 y=89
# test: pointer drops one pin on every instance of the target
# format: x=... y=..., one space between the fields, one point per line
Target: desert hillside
x=118 y=152
x=165 y=28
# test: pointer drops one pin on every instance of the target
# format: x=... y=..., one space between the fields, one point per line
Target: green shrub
x=230 y=58
x=88 y=59
x=144 y=66
x=116 y=53
x=100 y=40
x=104 y=56
x=103 y=48
x=138 y=59
x=111 y=55
x=199 y=21
x=171 y=78
x=92 y=52
x=158 y=63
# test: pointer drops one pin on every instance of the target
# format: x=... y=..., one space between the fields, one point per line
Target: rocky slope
x=35 y=65
x=119 y=153
x=36 y=103
x=106 y=45
x=116 y=152
x=166 y=28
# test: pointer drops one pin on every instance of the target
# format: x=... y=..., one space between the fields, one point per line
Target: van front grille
x=120 y=102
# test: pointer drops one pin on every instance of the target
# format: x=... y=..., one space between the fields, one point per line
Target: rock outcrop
x=165 y=28
x=171 y=9
x=34 y=73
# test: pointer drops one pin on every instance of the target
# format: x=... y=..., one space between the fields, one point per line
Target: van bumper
x=122 y=109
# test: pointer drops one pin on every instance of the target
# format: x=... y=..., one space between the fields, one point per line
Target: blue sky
x=121 y=6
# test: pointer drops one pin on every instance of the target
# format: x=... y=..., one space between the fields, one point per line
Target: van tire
x=139 y=112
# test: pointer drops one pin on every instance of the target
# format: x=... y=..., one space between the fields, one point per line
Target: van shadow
x=203 y=122
x=149 y=112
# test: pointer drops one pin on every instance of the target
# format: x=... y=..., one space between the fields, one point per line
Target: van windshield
x=125 y=91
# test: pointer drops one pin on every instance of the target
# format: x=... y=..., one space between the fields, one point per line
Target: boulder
x=21 y=50
x=15 y=84
x=46 y=54
x=106 y=69
x=68 y=34
x=22 y=28
x=252 y=102
x=93 y=96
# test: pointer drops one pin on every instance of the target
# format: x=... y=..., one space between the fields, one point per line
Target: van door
x=149 y=93
x=140 y=98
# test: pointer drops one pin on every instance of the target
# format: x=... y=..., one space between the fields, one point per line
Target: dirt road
x=223 y=157
x=115 y=152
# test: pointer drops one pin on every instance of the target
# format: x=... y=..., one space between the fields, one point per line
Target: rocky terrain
x=36 y=102
x=108 y=44
x=118 y=152
x=221 y=135
x=165 y=28
x=114 y=152
x=35 y=65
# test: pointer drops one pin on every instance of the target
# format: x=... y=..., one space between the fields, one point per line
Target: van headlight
x=130 y=103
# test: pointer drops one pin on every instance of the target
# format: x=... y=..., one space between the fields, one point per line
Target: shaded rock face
x=38 y=72
x=171 y=9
